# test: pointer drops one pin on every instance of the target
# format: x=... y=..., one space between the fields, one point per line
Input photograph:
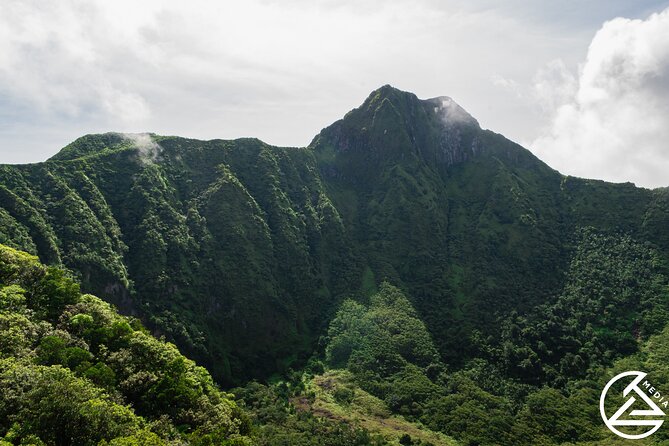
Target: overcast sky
x=584 y=84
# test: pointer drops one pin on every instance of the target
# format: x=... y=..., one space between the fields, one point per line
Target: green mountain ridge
x=427 y=274
x=106 y=212
x=241 y=252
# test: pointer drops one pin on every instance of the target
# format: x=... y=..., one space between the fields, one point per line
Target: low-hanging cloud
x=612 y=121
x=147 y=148
x=452 y=112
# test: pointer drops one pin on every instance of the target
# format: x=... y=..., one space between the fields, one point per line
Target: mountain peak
x=388 y=92
x=450 y=112
x=393 y=124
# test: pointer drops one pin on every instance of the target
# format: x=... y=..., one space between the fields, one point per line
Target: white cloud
x=612 y=122
x=277 y=70
x=50 y=61
x=148 y=149
x=508 y=85
x=553 y=86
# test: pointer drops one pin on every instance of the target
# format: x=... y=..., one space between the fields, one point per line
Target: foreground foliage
x=74 y=372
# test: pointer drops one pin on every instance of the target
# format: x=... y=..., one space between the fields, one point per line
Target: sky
x=583 y=84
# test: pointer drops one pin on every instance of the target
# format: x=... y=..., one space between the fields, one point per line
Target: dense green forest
x=75 y=372
x=407 y=278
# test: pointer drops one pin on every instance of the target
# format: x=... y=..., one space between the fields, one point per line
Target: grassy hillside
x=334 y=395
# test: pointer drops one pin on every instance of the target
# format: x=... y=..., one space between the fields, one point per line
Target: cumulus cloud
x=612 y=122
x=553 y=86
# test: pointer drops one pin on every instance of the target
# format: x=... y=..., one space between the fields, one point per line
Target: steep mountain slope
x=241 y=252
x=471 y=224
x=230 y=248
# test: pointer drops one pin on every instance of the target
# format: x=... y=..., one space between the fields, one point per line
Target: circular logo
x=638 y=387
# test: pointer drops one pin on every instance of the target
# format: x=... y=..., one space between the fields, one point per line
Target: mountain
x=244 y=254
x=228 y=247
x=472 y=225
